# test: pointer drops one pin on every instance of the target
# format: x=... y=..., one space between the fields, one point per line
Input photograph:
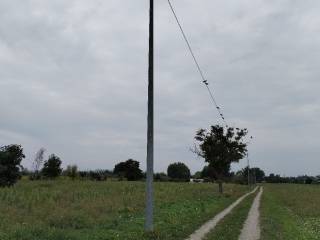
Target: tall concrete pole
x=149 y=185
x=248 y=169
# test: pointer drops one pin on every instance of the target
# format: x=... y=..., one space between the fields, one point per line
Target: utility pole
x=149 y=181
x=248 y=169
x=248 y=163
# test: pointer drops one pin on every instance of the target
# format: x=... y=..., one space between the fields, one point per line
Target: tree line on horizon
x=218 y=146
x=130 y=170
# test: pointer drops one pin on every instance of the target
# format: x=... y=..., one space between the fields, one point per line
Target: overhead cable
x=204 y=80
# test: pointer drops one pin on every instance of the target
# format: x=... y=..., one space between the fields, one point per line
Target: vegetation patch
x=290 y=211
x=81 y=210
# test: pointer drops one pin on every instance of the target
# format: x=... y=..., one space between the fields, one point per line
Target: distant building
x=196 y=180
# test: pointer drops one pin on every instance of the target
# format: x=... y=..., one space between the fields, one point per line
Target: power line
x=204 y=80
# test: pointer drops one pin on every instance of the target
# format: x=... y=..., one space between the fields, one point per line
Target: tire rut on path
x=251 y=228
x=210 y=225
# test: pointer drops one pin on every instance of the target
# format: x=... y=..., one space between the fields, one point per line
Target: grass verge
x=290 y=212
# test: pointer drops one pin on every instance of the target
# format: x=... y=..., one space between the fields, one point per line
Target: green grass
x=290 y=212
x=81 y=210
x=229 y=228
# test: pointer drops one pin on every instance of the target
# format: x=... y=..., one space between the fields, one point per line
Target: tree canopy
x=255 y=175
x=52 y=167
x=128 y=169
x=220 y=147
x=179 y=171
x=10 y=160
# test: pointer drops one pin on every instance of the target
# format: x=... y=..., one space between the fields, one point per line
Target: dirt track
x=208 y=226
x=251 y=228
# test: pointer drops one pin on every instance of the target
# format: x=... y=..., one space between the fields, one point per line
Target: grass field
x=86 y=210
x=79 y=210
x=290 y=212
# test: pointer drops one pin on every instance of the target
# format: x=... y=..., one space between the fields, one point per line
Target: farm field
x=290 y=211
x=81 y=210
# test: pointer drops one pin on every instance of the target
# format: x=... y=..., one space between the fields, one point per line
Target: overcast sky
x=73 y=79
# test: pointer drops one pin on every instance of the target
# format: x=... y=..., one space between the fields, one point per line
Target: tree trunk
x=220 y=187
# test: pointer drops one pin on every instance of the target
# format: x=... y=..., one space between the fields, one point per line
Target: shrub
x=161 y=177
x=97 y=175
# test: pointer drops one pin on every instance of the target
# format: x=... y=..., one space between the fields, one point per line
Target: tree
x=220 y=147
x=72 y=171
x=197 y=175
x=161 y=177
x=208 y=173
x=129 y=169
x=52 y=167
x=178 y=171
x=258 y=174
x=308 y=180
x=273 y=178
x=99 y=175
x=255 y=175
x=96 y=175
x=37 y=162
x=10 y=159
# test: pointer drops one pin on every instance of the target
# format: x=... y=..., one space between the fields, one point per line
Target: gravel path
x=251 y=228
x=208 y=226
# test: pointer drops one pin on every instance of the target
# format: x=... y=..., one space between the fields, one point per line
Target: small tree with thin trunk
x=37 y=162
x=220 y=147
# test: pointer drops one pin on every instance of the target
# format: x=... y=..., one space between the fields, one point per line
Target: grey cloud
x=73 y=78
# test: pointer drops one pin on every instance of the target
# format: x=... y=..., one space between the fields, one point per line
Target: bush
x=308 y=180
x=34 y=176
x=97 y=175
x=161 y=177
